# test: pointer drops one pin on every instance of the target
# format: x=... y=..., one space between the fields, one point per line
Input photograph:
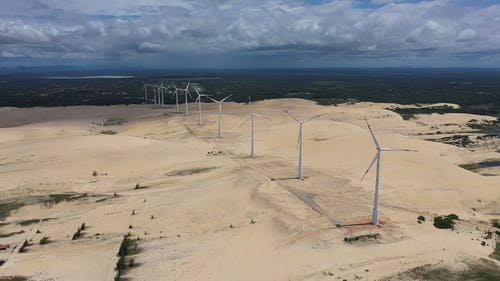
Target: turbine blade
x=373 y=135
x=214 y=100
x=315 y=116
x=292 y=115
x=371 y=164
x=258 y=115
x=225 y=98
x=397 y=149
x=244 y=122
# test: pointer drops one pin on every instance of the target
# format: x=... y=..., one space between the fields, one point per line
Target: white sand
x=55 y=150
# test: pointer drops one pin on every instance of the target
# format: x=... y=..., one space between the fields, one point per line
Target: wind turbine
x=154 y=93
x=186 y=92
x=299 y=141
x=251 y=118
x=176 y=93
x=376 y=201
x=198 y=100
x=145 y=91
x=220 y=112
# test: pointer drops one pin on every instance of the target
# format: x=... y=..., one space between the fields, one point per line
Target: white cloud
x=100 y=29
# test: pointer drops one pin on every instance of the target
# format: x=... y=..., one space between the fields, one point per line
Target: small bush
x=44 y=240
x=137 y=186
x=495 y=223
x=453 y=216
x=83 y=227
x=421 y=218
x=77 y=234
x=443 y=222
x=24 y=246
x=94 y=173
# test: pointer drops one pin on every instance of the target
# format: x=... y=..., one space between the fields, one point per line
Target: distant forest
x=476 y=90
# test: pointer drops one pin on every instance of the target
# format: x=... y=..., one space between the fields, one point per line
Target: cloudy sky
x=250 y=33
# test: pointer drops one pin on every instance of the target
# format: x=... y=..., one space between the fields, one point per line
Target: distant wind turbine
x=220 y=112
x=186 y=93
x=299 y=141
x=176 y=93
x=145 y=87
x=198 y=100
x=376 y=202
x=251 y=118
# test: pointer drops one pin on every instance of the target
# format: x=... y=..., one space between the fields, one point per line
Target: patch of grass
x=496 y=252
x=495 y=223
x=363 y=238
x=482 y=270
x=7 y=207
x=471 y=167
x=67 y=197
x=113 y=122
x=11 y=234
x=13 y=278
x=32 y=221
x=108 y=132
x=128 y=247
x=187 y=172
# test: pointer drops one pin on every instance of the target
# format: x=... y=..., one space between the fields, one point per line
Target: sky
x=166 y=34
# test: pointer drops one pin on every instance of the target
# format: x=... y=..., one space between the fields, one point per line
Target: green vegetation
x=187 y=172
x=471 y=167
x=67 y=197
x=11 y=234
x=495 y=223
x=44 y=240
x=32 y=221
x=445 y=222
x=420 y=219
x=7 y=207
x=482 y=270
x=13 y=278
x=128 y=247
x=363 y=238
x=24 y=246
x=108 y=132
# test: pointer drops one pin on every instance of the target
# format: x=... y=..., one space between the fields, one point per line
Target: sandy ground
x=199 y=194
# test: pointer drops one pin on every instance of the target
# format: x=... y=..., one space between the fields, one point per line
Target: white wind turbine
x=220 y=112
x=186 y=93
x=299 y=141
x=176 y=93
x=198 y=100
x=376 y=201
x=145 y=87
x=251 y=118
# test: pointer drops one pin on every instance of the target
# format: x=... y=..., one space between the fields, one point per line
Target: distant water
x=489 y=164
x=90 y=77
x=491 y=132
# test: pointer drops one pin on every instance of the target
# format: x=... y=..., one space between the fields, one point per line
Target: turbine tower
x=251 y=118
x=220 y=112
x=198 y=100
x=299 y=141
x=186 y=93
x=154 y=93
x=376 y=201
x=145 y=87
x=176 y=93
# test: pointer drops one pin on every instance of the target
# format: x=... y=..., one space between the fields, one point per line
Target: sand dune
x=204 y=210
